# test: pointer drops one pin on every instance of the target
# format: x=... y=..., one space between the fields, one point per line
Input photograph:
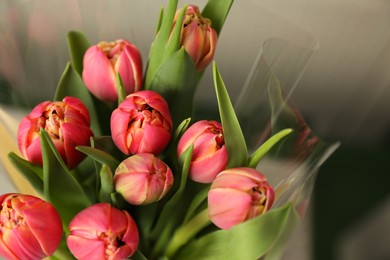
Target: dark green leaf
x=71 y=84
x=121 y=88
x=33 y=173
x=197 y=201
x=166 y=220
x=100 y=156
x=176 y=82
x=138 y=256
x=266 y=146
x=217 y=11
x=60 y=187
x=77 y=46
x=106 y=184
x=234 y=139
x=249 y=240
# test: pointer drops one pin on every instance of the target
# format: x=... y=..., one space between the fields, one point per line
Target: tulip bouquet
x=125 y=169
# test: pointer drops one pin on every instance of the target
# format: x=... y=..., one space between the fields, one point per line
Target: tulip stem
x=186 y=232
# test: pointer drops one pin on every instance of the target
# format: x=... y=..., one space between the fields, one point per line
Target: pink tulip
x=67 y=124
x=143 y=179
x=142 y=123
x=209 y=156
x=102 y=62
x=102 y=232
x=198 y=37
x=237 y=195
x=30 y=228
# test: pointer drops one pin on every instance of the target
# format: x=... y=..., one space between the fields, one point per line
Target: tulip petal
x=97 y=72
x=229 y=207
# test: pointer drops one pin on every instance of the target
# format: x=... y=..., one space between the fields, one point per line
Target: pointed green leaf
x=60 y=187
x=121 y=88
x=167 y=220
x=196 y=202
x=138 y=256
x=77 y=45
x=106 y=184
x=249 y=240
x=160 y=19
x=99 y=156
x=217 y=11
x=71 y=84
x=266 y=146
x=33 y=173
x=176 y=82
x=234 y=139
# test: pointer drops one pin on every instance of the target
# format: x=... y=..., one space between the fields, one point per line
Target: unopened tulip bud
x=102 y=62
x=30 y=228
x=143 y=179
x=198 y=37
x=67 y=124
x=237 y=195
x=102 y=232
x=141 y=123
x=209 y=156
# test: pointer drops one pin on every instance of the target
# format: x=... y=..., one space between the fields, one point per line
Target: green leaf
x=166 y=220
x=77 y=46
x=266 y=146
x=176 y=82
x=138 y=256
x=106 y=184
x=60 y=187
x=197 y=201
x=217 y=11
x=121 y=88
x=33 y=173
x=99 y=156
x=233 y=136
x=71 y=84
x=249 y=240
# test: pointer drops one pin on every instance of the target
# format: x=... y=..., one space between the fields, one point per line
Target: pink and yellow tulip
x=67 y=124
x=237 y=195
x=209 y=156
x=143 y=179
x=102 y=232
x=102 y=62
x=142 y=123
x=30 y=228
x=198 y=37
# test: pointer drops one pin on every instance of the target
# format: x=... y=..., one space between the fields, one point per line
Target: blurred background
x=343 y=92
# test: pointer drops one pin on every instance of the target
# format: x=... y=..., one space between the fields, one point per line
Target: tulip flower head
x=237 y=195
x=102 y=232
x=30 y=228
x=143 y=179
x=198 y=37
x=67 y=124
x=209 y=156
x=102 y=62
x=141 y=123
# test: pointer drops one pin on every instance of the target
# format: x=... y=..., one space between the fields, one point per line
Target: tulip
x=102 y=232
x=143 y=179
x=103 y=61
x=198 y=37
x=237 y=195
x=141 y=123
x=209 y=156
x=30 y=228
x=67 y=124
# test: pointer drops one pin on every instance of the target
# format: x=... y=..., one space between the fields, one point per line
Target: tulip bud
x=198 y=37
x=209 y=156
x=237 y=195
x=143 y=179
x=141 y=123
x=102 y=62
x=102 y=232
x=30 y=228
x=67 y=124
